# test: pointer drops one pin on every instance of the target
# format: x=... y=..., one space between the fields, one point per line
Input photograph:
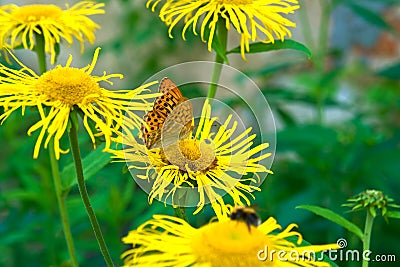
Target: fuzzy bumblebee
x=247 y=215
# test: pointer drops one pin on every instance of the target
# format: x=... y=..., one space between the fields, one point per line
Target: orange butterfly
x=172 y=105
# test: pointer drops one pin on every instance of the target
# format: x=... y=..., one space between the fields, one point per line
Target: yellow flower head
x=203 y=167
x=169 y=241
x=19 y=25
x=59 y=91
x=252 y=19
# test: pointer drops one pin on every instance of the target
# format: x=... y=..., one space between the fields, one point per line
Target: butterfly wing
x=178 y=114
x=151 y=128
x=166 y=85
x=172 y=105
x=179 y=122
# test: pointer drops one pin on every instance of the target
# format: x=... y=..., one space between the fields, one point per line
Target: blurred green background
x=337 y=117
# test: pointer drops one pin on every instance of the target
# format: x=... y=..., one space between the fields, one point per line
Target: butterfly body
x=171 y=112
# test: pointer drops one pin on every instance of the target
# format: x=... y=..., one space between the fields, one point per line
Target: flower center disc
x=191 y=155
x=69 y=85
x=37 y=12
x=229 y=243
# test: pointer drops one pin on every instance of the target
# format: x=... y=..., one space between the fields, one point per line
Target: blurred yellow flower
x=204 y=167
x=169 y=241
x=252 y=19
x=59 y=91
x=20 y=24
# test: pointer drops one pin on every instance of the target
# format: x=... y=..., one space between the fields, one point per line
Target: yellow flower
x=170 y=241
x=252 y=19
x=202 y=168
x=19 y=25
x=59 y=91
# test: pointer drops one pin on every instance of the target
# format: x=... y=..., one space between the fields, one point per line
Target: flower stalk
x=369 y=220
x=40 y=52
x=373 y=201
x=61 y=205
x=222 y=35
x=180 y=209
x=326 y=10
x=180 y=212
x=55 y=172
x=73 y=138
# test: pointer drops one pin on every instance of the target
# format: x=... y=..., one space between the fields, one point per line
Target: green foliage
x=370 y=16
x=277 y=45
x=391 y=72
x=92 y=164
x=318 y=255
x=393 y=214
x=217 y=47
x=334 y=217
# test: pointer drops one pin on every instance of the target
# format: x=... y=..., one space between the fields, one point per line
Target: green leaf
x=216 y=45
x=14 y=237
x=277 y=45
x=336 y=218
x=270 y=69
x=349 y=2
x=370 y=16
x=391 y=72
x=285 y=116
x=393 y=214
x=318 y=255
x=11 y=195
x=372 y=211
x=92 y=163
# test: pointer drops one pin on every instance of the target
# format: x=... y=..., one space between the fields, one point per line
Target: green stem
x=326 y=8
x=222 y=35
x=305 y=25
x=41 y=54
x=48 y=203
x=180 y=212
x=367 y=235
x=73 y=138
x=40 y=51
x=320 y=106
x=61 y=205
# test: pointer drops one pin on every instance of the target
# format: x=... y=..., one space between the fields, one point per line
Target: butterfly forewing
x=166 y=85
x=172 y=105
x=166 y=103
